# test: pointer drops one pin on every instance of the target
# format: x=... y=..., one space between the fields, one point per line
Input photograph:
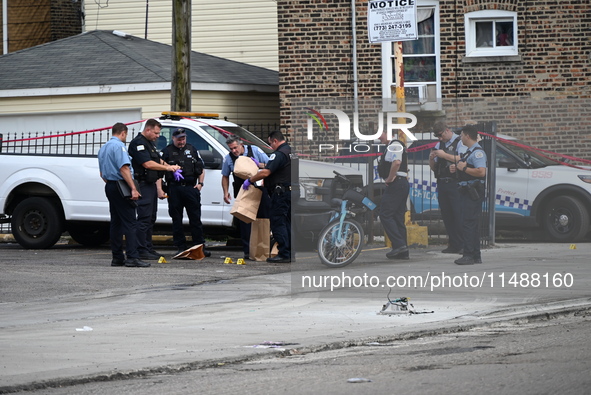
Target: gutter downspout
x=5 y=27
x=354 y=43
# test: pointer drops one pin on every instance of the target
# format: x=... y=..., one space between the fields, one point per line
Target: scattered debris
x=399 y=306
x=271 y=344
x=358 y=380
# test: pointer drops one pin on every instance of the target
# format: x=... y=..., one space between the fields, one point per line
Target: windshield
x=222 y=133
x=527 y=154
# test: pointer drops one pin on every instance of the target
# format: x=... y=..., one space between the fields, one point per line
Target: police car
x=532 y=190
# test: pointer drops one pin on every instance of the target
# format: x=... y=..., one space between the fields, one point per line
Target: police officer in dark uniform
x=393 y=168
x=277 y=175
x=148 y=168
x=184 y=190
x=445 y=153
x=471 y=171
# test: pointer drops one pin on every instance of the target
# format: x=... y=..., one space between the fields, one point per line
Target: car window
x=529 y=156
x=222 y=133
x=192 y=138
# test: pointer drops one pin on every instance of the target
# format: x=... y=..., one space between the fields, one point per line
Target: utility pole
x=180 y=93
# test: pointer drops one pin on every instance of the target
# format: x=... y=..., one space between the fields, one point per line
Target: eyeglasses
x=438 y=134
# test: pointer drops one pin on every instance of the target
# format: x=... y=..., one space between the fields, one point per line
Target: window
x=420 y=62
x=491 y=33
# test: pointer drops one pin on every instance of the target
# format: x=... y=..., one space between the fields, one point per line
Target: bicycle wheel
x=338 y=252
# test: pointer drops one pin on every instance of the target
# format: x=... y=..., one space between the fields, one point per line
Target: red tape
x=67 y=134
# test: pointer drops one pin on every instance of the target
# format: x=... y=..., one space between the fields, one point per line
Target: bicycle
x=340 y=241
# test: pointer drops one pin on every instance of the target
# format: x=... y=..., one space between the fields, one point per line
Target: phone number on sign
x=393 y=26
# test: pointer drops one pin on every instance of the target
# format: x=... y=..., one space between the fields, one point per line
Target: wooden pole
x=400 y=99
x=180 y=94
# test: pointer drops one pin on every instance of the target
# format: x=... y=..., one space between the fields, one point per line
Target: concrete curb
x=515 y=314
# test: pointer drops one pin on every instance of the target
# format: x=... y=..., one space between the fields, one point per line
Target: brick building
x=523 y=64
x=35 y=22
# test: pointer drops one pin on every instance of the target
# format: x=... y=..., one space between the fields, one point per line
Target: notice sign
x=394 y=20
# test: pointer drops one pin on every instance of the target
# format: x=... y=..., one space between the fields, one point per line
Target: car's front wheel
x=565 y=219
x=37 y=223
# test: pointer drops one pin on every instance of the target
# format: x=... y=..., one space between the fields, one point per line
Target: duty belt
x=282 y=188
x=446 y=180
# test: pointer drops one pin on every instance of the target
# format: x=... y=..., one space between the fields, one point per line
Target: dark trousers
x=147 y=207
x=245 y=236
x=392 y=210
x=123 y=222
x=450 y=207
x=471 y=224
x=185 y=197
x=280 y=221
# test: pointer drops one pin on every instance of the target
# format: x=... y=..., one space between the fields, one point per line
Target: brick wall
x=542 y=98
x=35 y=22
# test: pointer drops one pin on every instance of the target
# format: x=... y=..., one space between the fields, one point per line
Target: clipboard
x=125 y=190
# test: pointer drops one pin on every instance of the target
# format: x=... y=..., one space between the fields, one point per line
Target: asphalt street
x=67 y=317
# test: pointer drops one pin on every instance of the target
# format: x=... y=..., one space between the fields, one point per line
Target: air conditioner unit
x=415 y=94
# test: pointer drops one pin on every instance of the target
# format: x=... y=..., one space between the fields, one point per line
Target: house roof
x=104 y=58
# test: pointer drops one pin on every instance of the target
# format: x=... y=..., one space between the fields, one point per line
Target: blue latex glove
x=255 y=161
x=177 y=175
x=246 y=184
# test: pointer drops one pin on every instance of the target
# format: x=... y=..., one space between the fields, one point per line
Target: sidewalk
x=87 y=337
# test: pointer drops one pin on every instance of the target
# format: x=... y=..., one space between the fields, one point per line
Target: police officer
x=393 y=203
x=237 y=149
x=277 y=175
x=114 y=165
x=471 y=170
x=184 y=190
x=148 y=168
x=445 y=153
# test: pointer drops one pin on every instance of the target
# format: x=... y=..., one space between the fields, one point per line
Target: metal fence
x=86 y=143
x=261 y=130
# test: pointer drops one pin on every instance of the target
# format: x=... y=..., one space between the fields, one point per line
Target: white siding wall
x=244 y=31
x=239 y=107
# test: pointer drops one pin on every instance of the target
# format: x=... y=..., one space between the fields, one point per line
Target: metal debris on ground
x=358 y=380
x=399 y=306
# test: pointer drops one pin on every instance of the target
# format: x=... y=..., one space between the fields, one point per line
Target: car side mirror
x=509 y=164
x=210 y=160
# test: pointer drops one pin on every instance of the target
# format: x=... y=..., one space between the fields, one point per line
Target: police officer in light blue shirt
x=471 y=170
x=114 y=165
x=237 y=149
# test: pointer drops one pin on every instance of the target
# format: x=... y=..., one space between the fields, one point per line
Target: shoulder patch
x=272 y=157
x=479 y=154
